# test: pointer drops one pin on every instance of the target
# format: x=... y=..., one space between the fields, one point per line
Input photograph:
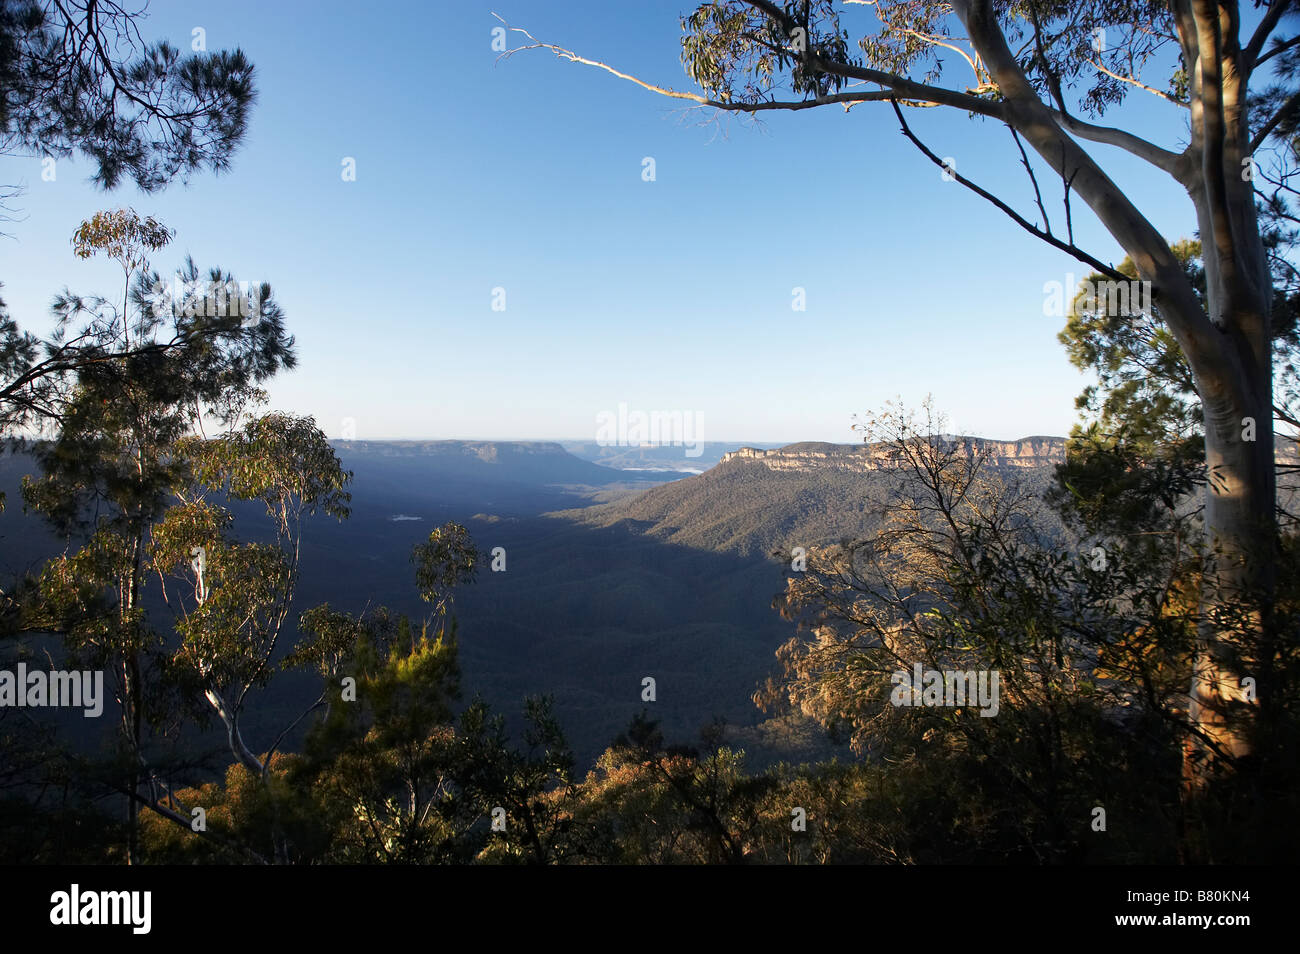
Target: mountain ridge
x=810 y=493
x=1035 y=451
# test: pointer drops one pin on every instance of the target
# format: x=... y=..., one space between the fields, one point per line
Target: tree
x=206 y=320
x=242 y=594
x=1046 y=70
x=76 y=76
x=647 y=802
x=127 y=479
x=382 y=778
x=1144 y=403
x=1087 y=638
x=1136 y=462
x=385 y=760
x=1135 y=467
x=388 y=774
x=529 y=793
x=447 y=560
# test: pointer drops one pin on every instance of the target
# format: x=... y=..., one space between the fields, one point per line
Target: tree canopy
x=78 y=78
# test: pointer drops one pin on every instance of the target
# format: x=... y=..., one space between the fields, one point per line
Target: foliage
x=447 y=560
x=78 y=78
x=127 y=480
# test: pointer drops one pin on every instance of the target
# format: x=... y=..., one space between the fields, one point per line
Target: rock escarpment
x=816 y=455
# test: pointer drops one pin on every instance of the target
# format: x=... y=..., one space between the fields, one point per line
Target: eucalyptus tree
x=1226 y=77
x=128 y=478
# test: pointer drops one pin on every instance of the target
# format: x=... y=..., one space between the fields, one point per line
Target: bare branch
x=1038 y=196
x=1067 y=182
x=1108 y=135
x=1250 y=55
x=1015 y=216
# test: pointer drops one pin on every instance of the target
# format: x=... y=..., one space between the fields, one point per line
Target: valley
x=610 y=575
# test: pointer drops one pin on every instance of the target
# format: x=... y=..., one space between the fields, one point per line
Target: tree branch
x=1038 y=196
x=1290 y=106
x=1149 y=250
x=893 y=84
x=1250 y=56
x=1015 y=216
x=1134 y=81
x=1162 y=159
x=909 y=89
x=1278 y=50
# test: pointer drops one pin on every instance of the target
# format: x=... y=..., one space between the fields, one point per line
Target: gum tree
x=124 y=457
x=1048 y=71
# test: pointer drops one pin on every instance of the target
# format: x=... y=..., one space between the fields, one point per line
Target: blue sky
x=671 y=295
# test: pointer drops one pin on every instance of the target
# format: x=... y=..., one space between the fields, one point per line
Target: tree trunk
x=1233 y=641
x=131 y=719
x=1229 y=349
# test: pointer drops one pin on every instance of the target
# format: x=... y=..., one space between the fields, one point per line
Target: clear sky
x=665 y=295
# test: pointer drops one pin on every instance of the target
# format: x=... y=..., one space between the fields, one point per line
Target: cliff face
x=811 y=455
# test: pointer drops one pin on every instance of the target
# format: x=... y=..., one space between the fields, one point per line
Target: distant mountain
x=760 y=500
x=449 y=480
x=1026 y=452
x=655 y=457
x=508 y=462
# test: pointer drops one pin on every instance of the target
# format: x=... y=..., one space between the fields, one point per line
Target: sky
x=528 y=175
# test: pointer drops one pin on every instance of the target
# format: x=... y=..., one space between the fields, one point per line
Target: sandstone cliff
x=810 y=455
